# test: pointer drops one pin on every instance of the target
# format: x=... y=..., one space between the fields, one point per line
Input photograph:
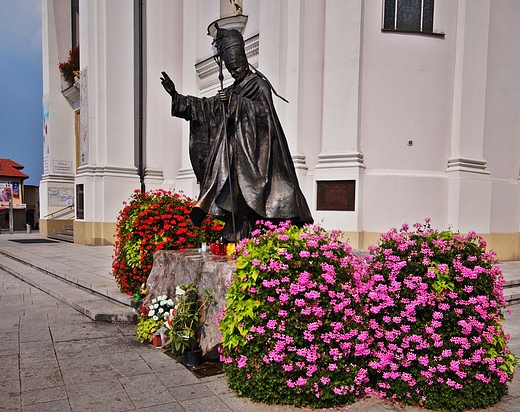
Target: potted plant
x=185 y=321
x=152 y=319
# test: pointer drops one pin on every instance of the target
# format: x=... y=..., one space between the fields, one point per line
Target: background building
x=12 y=196
x=399 y=110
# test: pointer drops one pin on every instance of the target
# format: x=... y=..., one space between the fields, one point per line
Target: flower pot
x=157 y=341
x=192 y=358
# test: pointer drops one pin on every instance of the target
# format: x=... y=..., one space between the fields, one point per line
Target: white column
x=340 y=158
x=469 y=204
x=187 y=85
x=110 y=175
x=59 y=115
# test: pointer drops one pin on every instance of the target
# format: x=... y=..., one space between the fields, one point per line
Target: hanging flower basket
x=70 y=69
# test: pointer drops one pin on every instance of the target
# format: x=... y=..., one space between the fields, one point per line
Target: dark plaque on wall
x=337 y=195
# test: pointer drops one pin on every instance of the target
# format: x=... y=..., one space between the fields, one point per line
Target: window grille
x=414 y=16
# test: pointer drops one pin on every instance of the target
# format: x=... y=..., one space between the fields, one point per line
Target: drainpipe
x=139 y=83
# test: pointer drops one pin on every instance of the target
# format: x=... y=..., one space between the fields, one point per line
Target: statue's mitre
x=230 y=45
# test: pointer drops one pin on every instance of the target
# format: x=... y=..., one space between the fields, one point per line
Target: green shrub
x=435 y=319
x=293 y=330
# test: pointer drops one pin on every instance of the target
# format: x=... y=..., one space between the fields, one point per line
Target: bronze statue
x=238 y=150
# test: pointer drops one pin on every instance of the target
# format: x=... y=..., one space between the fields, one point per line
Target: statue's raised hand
x=168 y=84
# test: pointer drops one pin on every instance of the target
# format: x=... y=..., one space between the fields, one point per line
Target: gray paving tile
x=218 y=385
x=15 y=297
x=213 y=404
x=158 y=361
x=43 y=395
x=131 y=368
x=61 y=405
x=170 y=407
x=510 y=405
x=94 y=388
x=70 y=332
x=35 y=351
x=85 y=370
x=40 y=375
x=9 y=322
x=35 y=335
x=116 y=344
x=245 y=405
x=178 y=377
x=9 y=346
x=9 y=368
x=101 y=402
x=76 y=349
x=192 y=391
x=10 y=394
x=146 y=390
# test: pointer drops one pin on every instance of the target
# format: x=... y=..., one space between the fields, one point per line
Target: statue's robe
x=264 y=181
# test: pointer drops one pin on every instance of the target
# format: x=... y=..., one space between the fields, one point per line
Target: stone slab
x=176 y=267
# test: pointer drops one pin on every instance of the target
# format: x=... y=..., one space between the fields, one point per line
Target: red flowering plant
x=293 y=330
x=435 y=320
x=152 y=221
x=70 y=68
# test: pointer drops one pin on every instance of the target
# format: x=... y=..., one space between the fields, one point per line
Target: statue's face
x=238 y=70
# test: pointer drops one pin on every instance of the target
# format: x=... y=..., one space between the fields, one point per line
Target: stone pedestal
x=176 y=267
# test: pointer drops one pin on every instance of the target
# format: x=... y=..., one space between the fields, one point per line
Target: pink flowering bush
x=417 y=321
x=435 y=320
x=293 y=329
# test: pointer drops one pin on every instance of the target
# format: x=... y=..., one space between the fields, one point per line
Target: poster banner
x=15 y=190
x=46 y=140
x=5 y=195
x=60 y=196
x=5 y=192
x=83 y=121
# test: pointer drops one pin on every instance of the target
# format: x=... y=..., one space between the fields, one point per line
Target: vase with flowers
x=152 y=319
x=185 y=321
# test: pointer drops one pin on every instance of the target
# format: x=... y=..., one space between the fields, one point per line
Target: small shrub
x=435 y=319
x=293 y=330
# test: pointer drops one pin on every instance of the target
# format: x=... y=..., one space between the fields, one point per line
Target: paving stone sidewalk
x=53 y=358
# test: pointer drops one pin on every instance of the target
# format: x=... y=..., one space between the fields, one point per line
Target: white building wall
x=502 y=120
x=405 y=121
x=426 y=125
x=109 y=175
x=59 y=143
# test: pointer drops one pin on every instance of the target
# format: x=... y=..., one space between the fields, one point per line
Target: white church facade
x=398 y=110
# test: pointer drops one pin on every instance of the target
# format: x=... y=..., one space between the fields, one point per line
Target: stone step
x=63 y=236
x=512 y=295
x=511 y=283
x=63 y=273
x=98 y=308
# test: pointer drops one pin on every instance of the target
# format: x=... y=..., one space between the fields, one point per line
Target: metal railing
x=71 y=207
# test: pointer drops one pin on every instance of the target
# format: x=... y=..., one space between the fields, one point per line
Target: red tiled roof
x=9 y=168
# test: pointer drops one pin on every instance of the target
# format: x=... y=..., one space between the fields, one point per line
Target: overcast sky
x=21 y=113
